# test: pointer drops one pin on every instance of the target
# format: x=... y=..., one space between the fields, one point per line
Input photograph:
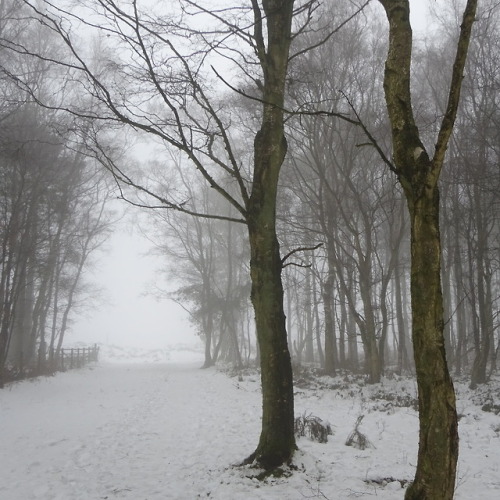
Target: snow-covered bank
x=171 y=431
x=178 y=353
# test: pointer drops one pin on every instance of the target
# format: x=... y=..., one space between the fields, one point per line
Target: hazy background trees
x=208 y=260
x=53 y=203
x=53 y=209
x=348 y=301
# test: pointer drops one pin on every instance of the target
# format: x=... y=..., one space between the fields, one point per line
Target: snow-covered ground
x=168 y=430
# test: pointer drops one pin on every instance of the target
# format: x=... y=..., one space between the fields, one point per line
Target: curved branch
x=121 y=178
x=296 y=250
x=373 y=142
x=285 y=110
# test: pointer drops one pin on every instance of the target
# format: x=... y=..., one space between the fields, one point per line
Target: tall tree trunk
x=449 y=336
x=479 y=372
x=382 y=343
x=277 y=441
x=309 y=338
x=319 y=347
x=461 y=351
x=208 y=324
x=368 y=328
x=419 y=175
x=438 y=445
x=484 y=331
x=401 y=324
x=330 y=341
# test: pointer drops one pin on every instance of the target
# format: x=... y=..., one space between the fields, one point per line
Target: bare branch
x=121 y=178
x=373 y=142
x=455 y=85
x=119 y=112
x=296 y=250
x=259 y=38
x=286 y=111
x=331 y=33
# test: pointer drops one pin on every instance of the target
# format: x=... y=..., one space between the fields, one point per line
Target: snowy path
x=166 y=431
x=117 y=432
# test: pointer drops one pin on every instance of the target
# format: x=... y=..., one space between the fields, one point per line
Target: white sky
x=418 y=14
x=126 y=316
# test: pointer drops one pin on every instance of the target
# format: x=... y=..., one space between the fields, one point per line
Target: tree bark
x=438 y=436
x=277 y=441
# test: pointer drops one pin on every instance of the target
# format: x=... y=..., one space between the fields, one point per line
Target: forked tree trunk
x=419 y=175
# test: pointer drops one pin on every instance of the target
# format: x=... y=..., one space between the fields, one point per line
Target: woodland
x=321 y=181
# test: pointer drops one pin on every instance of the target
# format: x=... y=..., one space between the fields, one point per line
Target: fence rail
x=75 y=357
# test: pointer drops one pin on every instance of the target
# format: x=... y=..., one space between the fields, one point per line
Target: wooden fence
x=75 y=357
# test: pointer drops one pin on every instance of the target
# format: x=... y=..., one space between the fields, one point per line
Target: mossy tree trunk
x=277 y=441
x=438 y=437
x=419 y=175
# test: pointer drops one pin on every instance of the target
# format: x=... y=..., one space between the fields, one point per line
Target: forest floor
x=160 y=428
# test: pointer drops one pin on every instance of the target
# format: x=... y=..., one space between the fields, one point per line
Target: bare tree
x=350 y=207
x=208 y=259
x=151 y=76
x=476 y=151
x=419 y=175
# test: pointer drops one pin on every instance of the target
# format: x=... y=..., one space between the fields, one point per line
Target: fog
x=336 y=315
x=126 y=311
